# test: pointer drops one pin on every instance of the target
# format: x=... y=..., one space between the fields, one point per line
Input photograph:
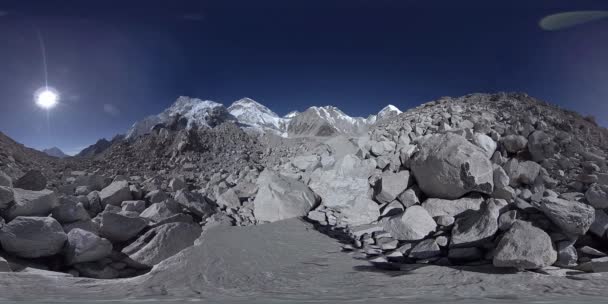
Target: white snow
x=258 y=117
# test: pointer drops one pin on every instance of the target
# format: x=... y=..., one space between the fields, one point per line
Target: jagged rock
x=437 y=207
x=476 y=227
x=84 y=246
x=425 y=249
x=590 y=251
x=32 y=180
x=572 y=217
x=382 y=148
x=414 y=224
x=359 y=212
x=393 y=208
x=94 y=203
x=597 y=196
x=521 y=172
x=514 y=143
x=6 y=197
x=31 y=203
x=118 y=227
x=69 y=211
x=506 y=220
x=156 y=196
x=347 y=180
x=32 y=237
x=195 y=203
x=409 y=197
x=229 y=199
x=486 y=143
x=541 y=146
x=177 y=184
x=134 y=206
x=5 y=180
x=115 y=193
x=600 y=223
x=306 y=162
x=391 y=185
x=566 y=254
x=245 y=190
x=162 y=242
x=280 y=197
x=448 y=166
x=159 y=211
x=87 y=225
x=524 y=247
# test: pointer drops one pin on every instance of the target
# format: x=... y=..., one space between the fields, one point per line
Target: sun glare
x=47 y=98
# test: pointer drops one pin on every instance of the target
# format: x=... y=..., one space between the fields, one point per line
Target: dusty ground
x=291 y=262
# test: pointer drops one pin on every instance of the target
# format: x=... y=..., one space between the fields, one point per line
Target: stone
x=156 y=196
x=115 y=193
x=445 y=220
x=94 y=203
x=408 y=197
x=4 y=265
x=32 y=237
x=347 y=180
x=162 y=242
x=600 y=223
x=425 y=249
x=524 y=172
x=597 y=196
x=97 y=271
x=382 y=147
x=69 y=211
x=196 y=203
x=229 y=199
x=572 y=217
x=87 y=225
x=476 y=227
x=280 y=197
x=84 y=246
x=176 y=184
x=486 y=143
x=159 y=211
x=31 y=203
x=590 y=251
x=437 y=207
x=414 y=224
x=93 y=182
x=465 y=254
x=541 y=146
x=32 y=180
x=360 y=211
x=514 y=143
x=448 y=166
x=566 y=254
x=506 y=220
x=391 y=185
x=599 y=264
x=442 y=240
x=393 y=208
x=134 y=206
x=118 y=227
x=524 y=247
x=5 y=180
x=245 y=190
x=6 y=197
x=306 y=162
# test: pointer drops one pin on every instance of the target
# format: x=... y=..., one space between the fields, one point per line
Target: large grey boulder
x=514 y=143
x=572 y=217
x=476 y=227
x=425 y=249
x=115 y=193
x=486 y=143
x=306 y=162
x=438 y=207
x=196 y=203
x=360 y=211
x=69 y=211
x=159 y=211
x=541 y=146
x=597 y=196
x=524 y=172
x=347 y=180
x=84 y=246
x=412 y=225
x=229 y=199
x=32 y=180
x=449 y=166
x=120 y=227
x=6 y=197
x=162 y=242
x=391 y=185
x=524 y=247
x=280 y=197
x=32 y=237
x=31 y=203
x=5 y=180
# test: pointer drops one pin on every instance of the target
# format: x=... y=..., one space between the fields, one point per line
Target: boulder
x=600 y=223
x=412 y=225
x=541 y=146
x=159 y=211
x=521 y=172
x=245 y=190
x=69 y=211
x=162 y=242
x=87 y=225
x=195 y=203
x=119 y=227
x=359 y=212
x=31 y=203
x=306 y=162
x=32 y=237
x=566 y=254
x=5 y=180
x=476 y=227
x=391 y=185
x=572 y=217
x=32 y=180
x=6 y=197
x=524 y=247
x=486 y=143
x=597 y=196
x=84 y=246
x=514 y=143
x=97 y=271
x=94 y=203
x=448 y=166
x=134 y=206
x=93 y=182
x=229 y=199
x=156 y=196
x=280 y=197
x=115 y=193
x=425 y=249
x=437 y=207
x=409 y=197
x=176 y=184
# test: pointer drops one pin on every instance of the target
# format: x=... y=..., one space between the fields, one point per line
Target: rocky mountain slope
x=55 y=152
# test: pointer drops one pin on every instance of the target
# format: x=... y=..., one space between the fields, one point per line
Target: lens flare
x=47 y=98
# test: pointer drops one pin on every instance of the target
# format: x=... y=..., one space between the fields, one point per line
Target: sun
x=46 y=98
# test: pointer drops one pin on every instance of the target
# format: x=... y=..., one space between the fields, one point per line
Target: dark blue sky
x=136 y=57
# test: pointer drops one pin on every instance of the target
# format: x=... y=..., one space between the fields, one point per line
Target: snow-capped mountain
x=291 y=114
x=387 y=112
x=258 y=117
x=325 y=121
x=54 y=151
x=185 y=113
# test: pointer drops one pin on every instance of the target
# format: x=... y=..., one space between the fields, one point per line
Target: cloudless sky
x=115 y=62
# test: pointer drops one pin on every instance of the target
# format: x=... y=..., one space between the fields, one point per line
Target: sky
x=115 y=62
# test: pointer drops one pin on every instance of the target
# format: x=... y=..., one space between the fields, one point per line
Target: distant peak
x=390 y=108
x=291 y=114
